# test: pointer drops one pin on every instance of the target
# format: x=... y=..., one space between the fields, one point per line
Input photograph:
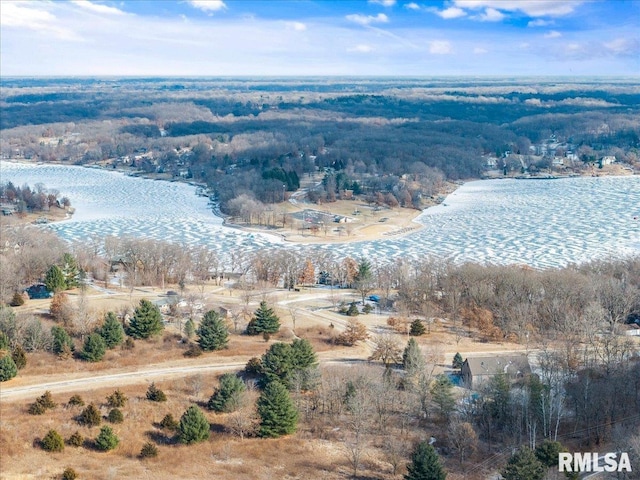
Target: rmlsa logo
x=593 y=462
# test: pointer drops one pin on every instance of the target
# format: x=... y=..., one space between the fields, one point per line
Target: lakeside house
x=477 y=370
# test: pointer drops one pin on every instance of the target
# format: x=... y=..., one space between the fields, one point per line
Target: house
x=477 y=370
x=607 y=160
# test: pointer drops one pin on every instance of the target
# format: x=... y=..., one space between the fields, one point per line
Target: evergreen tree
x=90 y=416
x=189 y=329
x=69 y=474
x=115 y=416
x=149 y=450
x=111 y=331
x=54 y=279
x=277 y=412
x=8 y=368
x=62 y=342
x=302 y=354
x=94 y=348
x=117 y=399
x=19 y=357
x=417 y=328
x=524 y=465
x=412 y=358
x=457 y=361
x=213 y=334
x=226 y=398
x=169 y=423
x=364 y=278
x=52 y=442
x=155 y=394
x=106 y=439
x=353 y=311
x=425 y=464
x=17 y=300
x=70 y=271
x=548 y=451
x=4 y=340
x=441 y=392
x=146 y=321
x=75 y=440
x=263 y=321
x=277 y=364
x=194 y=426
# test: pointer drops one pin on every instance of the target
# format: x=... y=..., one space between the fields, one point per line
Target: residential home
x=477 y=370
x=607 y=160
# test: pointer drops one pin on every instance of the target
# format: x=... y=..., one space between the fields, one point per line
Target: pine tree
x=524 y=464
x=412 y=358
x=302 y=354
x=264 y=320
x=90 y=416
x=8 y=368
x=353 y=311
x=277 y=364
x=52 y=442
x=117 y=399
x=70 y=271
x=19 y=357
x=4 y=340
x=169 y=423
x=111 y=331
x=441 y=392
x=457 y=361
x=149 y=450
x=62 y=342
x=106 y=439
x=277 y=412
x=155 y=394
x=115 y=416
x=213 y=334
x=194 y=426
x=417 y=328
x=146 y=321
x=94 y=348
x=425 y=464
x=226 y=398
x=76 y=440
x=189 y=329
x=54 y=279
x=547 y=452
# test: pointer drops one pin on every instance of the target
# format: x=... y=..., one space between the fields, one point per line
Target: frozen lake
x=535 y=222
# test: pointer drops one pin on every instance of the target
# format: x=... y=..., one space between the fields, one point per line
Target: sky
x=319 y=37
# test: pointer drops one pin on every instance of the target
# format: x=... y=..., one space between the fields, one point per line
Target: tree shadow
x=161 y=438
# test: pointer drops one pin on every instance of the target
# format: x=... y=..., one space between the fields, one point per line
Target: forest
x=394 y=137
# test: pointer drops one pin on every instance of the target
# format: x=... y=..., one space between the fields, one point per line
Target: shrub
x=128 y=344
x=115 y=416
x=149 y=450
x=69 y=474
x=417 y=328
x=352 y=311
x=226 y=398
x=155 y=394
x=94 y=348
x=36 y=408
x=354 y=332
x=117 y=399
x=76 y=400
x=213 y=333
x=17 y=300
x=367 y=309
x=75 y=440
x=42 y=404
x=8 y=368
x=194 y=426
x=106 y=439
x=193 y=351
x=254 y=366
x=169 y=423
x=52 y=442
x=90 y=416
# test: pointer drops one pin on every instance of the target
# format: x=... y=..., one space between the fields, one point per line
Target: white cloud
x=532 y=8
x=448 y=13
x=553 y=34
x=384 y=3
x=208 y=5
x=412 y=6
x=297 y=26
x=98 y=8
x=480 y=51
x=623 y=47
x=13 y=14
x=362 y=48
x=367 y=19
x=540 y=23
x=490 y=15
x=440 y=47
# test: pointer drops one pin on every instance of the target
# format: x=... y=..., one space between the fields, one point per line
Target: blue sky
x=319 y=37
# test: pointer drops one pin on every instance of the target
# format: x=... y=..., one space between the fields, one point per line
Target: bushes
x=194 y=426
x=42 y=404
x=117 y=399
x=115 y=416
x=17 y=300
x=169 y=423
x=155 y=394
x=193 y=351
x=149 y=450
x=19 y=357
x=417 y=328
x=76 y=400
x=52 y=442
x=354 y=332
x=106 y=439
x=8 y=368
x=94 y=348
x=69 y=474
x=75 y=440
x=90 y=416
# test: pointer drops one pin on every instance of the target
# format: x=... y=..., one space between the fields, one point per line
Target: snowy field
x=540 y=223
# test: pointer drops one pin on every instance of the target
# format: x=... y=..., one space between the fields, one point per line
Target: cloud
x=440 y=47
x=480 y=51
x=540 y=23
x=490 y=15
x=623 y=47
x=553 y=34
x=367 y=19
x=208 y=5
x=384 y=3
x=13 y=14
x=531 y=8
x=362 y=48
x=297 y=26
x=412 y=6
x=448 y=13
x=98 y=8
